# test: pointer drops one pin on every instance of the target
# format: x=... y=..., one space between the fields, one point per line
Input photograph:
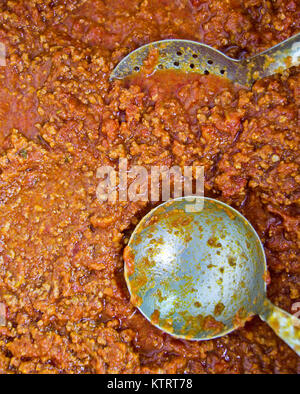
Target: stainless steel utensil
x=201 y=273
x=194 y=57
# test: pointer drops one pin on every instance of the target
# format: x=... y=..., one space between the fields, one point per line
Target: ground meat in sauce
x=61 y=267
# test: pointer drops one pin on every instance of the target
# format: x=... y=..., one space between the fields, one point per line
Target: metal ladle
x=191 y=56
x=196 y=268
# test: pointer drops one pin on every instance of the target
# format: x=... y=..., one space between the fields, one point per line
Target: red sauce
x=61 y=267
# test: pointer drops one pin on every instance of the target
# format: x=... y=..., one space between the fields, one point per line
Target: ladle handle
x=274 y=60
x=285 y=325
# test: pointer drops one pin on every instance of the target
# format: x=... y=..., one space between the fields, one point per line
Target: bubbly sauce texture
x=62 y=287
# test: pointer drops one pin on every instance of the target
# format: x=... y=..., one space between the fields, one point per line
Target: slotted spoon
x=191 y=56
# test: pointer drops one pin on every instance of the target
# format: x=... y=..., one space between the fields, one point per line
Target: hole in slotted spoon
x=136 y=68
x=192 y=66
x=210 y=62
x=222 y=72
x=206 y=72
x=179 y=53
x=176 y=64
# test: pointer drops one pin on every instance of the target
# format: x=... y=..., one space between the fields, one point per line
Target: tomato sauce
x=62 y=281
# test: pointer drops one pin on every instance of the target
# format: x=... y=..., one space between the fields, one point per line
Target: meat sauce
x=67 y=308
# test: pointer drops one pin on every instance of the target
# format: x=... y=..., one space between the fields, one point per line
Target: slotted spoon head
x=195 y=57
x=181 y=55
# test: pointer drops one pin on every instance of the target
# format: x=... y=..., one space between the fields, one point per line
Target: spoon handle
x=274 y=60
x=285 y=325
